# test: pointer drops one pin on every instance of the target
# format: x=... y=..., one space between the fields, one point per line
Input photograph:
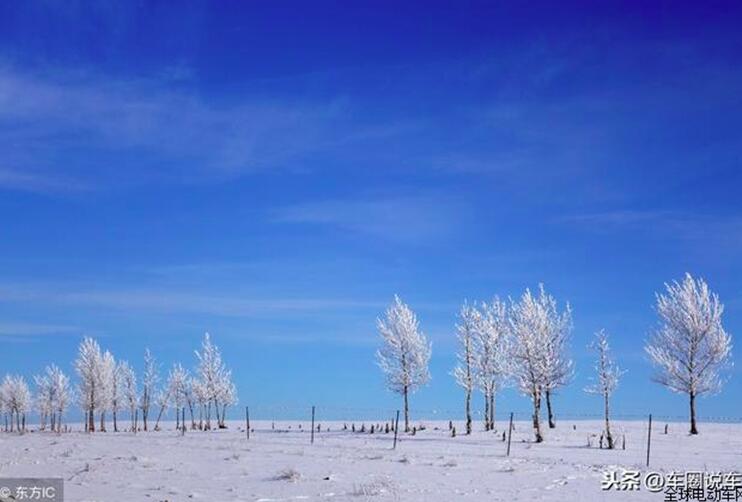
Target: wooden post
x=396 y=428
x=510 y=432
x=649 y=438
x=312 y=424
x=247 y=422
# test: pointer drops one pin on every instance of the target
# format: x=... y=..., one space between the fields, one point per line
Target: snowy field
x=430 y=466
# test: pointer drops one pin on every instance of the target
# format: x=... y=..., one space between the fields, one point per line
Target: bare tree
x=404 y=354
x=606 y=382
x=690 y=347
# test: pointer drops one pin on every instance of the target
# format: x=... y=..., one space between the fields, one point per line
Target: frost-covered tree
x=178 y=383
x=52 y=397
x=149 y=385
x=62 y=394
x=463 y=373
x=190 y=399
x=227 y=396
x=558 y=367
x=88 y=370
x=44 y=400
x=690 y=348
x=5 y=402
x=17 y=399
x=162 y=400
x=215 y=389
x=3 y=408
x=540 y=365
x=491 y=354
x=404 y=354
x=117 y=393
x=201 y=397
x=606 y=380
x=529 y=327
x=128 y=390
x=106 y=386
x=209 y=370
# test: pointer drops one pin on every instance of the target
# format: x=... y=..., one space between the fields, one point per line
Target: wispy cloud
x=681 y=224
x=97 y=129
x=25 y=332
x=165 y=301
x=711 y=236
x=404 y=219
x=622 y=217
x=31 y=182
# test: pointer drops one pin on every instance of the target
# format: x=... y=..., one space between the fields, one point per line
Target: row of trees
x=524 y=343
x=107 y=386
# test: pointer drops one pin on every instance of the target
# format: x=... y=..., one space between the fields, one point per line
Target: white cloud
x=172 y=301
x=404 y=219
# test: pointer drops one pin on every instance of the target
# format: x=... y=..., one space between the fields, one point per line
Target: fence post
x=649 y=438
x=396 y=429
x=312 y=424
x=247 y=422
x=510 y=432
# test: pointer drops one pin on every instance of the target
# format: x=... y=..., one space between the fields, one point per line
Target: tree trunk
x=115 y=423
x=608 y=435
x=486 y=411
x=536 y=417
x=552 y=425
x=468 y=412
x=159 y=416
x=145 y=408
x=406 y=412
x=492 y=409
x=693 y=429
x=91 y=419
x=103 y=421
x=193 y=418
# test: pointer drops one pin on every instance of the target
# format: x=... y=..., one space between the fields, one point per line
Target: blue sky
x=275 y=172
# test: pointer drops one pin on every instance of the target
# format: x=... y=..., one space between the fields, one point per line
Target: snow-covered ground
x=430 y=466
